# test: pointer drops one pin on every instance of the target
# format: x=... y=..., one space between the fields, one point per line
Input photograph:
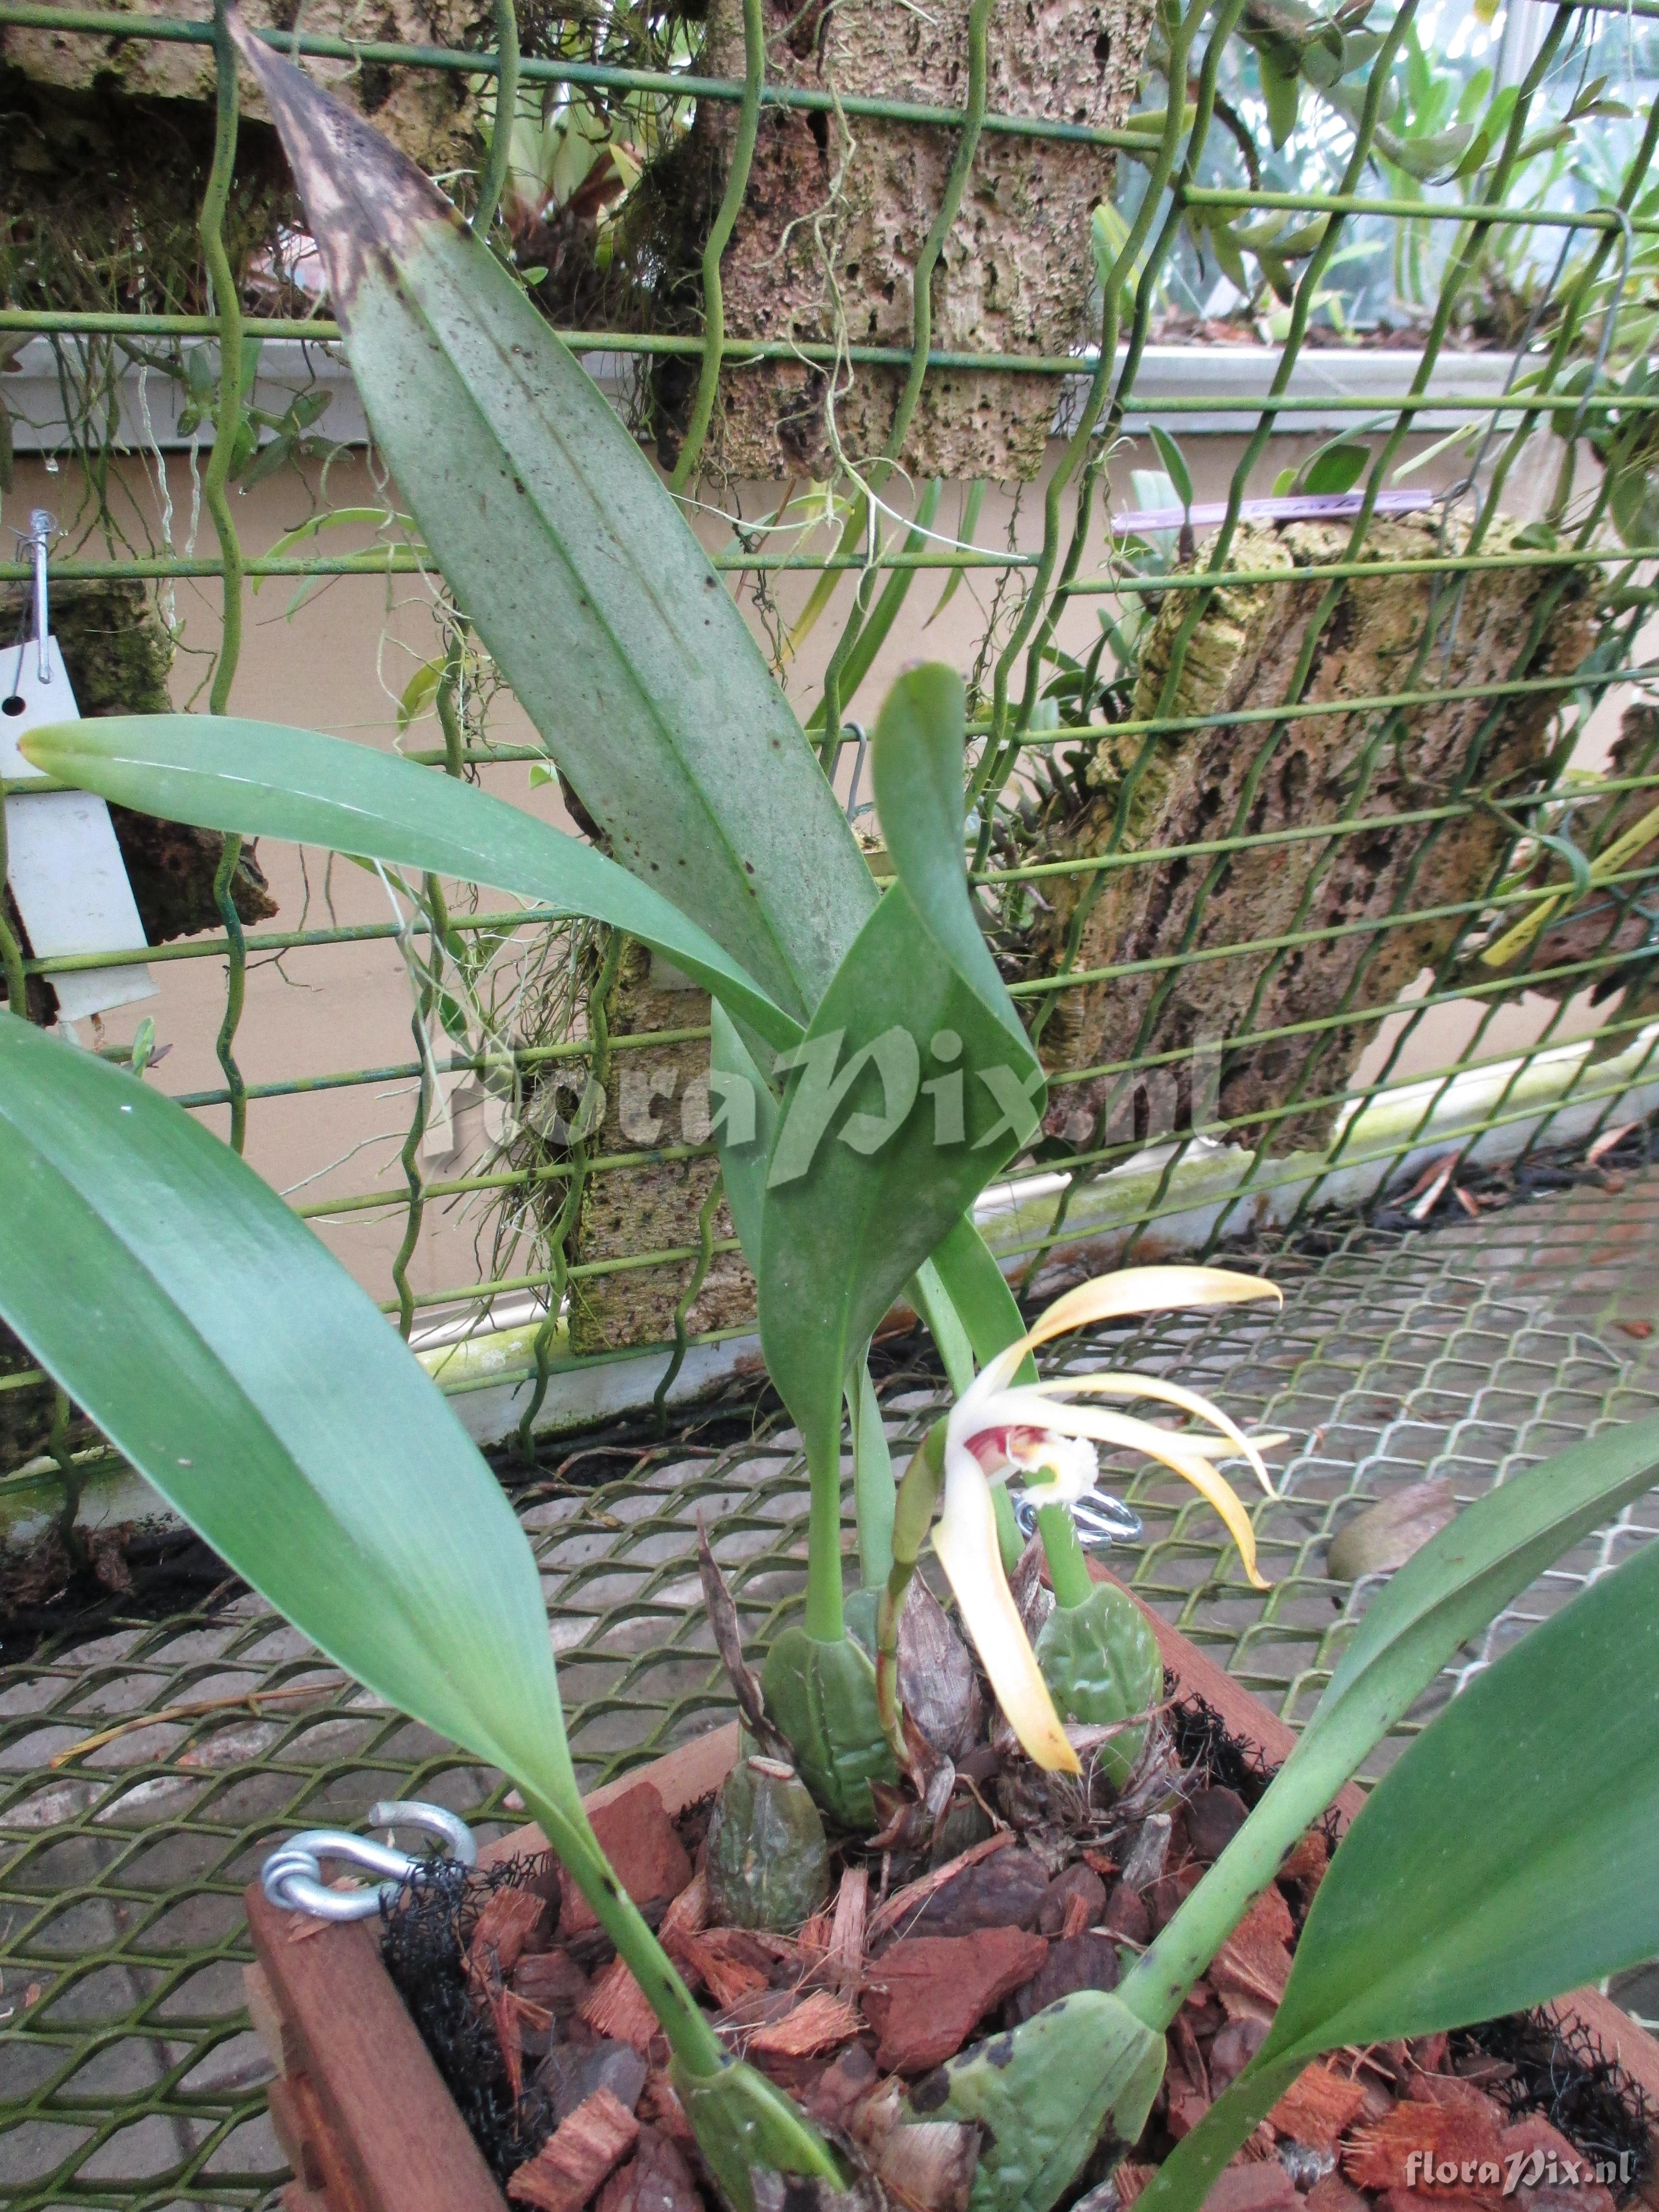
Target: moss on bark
x=654 y=1207
x=837 y=210
x=1151 y=793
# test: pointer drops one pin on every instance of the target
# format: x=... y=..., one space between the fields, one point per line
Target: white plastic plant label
x=63 y=863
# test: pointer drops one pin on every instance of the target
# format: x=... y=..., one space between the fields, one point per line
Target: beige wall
x=337 y=662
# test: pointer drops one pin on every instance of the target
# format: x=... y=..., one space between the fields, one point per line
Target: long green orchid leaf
x=230 y=1356
x=1445 y=1594
x=855 y=1199
x=579 y=573
x=218 y=1345
x=1427 y=1920
x=577 y=570
x=264 y=781
x=1506 y=1859
x=745 y=1117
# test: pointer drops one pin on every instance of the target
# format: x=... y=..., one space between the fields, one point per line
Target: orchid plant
x=187 y=1300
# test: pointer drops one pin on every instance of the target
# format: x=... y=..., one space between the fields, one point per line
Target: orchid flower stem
x=1068 y=1569
x=913 y=1515
x=873 y=1478
x=823 y=1585
x=1010 y=1542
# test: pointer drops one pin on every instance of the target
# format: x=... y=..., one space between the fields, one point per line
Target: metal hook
x=855 y=730
x=292 y=1876
x=1101 y=1520
x=43 y=528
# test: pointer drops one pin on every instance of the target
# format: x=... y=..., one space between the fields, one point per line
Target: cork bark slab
x=657 y=1100
x=433 y=114
x=359 y=2106
x=1194 y=785
x=839 y=209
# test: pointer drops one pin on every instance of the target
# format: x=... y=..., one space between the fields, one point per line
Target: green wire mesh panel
x=1311 y=941
x=186 y=1746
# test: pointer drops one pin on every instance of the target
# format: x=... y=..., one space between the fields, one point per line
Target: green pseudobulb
x=1102 y=1663
x=1081 y=2071
x=743 y=2124
x=767 y=1865
x=821 y=1697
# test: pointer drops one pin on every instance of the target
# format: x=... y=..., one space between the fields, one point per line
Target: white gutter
x=34 y=390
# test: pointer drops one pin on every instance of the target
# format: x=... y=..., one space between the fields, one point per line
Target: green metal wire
x=545 y=70
x=216 y=499
x=719 y=233
x=492 y=184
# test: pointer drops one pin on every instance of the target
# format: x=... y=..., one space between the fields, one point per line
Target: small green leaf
x=418 y=694
x=1480 y=147
x=1276 y=269
x=885 y=612
x=1223 y=238
x=1282 y=91
x=1436 y=156
x=967 y=523
x=1045 y=2093
x=1174 y=463
x=1338 y=469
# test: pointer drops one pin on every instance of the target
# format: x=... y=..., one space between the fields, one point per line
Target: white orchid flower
x=998 y=1429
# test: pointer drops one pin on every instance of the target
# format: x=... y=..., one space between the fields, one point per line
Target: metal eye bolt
x=292 y=1876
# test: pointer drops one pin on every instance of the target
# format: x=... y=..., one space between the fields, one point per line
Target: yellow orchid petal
x=1142 y=1291
x=1220 y=1448
x=965 y=1544
x=1131 y=1386
x=1124 y=1431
